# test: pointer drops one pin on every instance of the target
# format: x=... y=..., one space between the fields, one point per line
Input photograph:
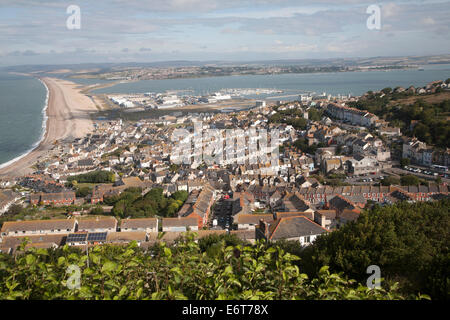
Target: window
x=307 y=239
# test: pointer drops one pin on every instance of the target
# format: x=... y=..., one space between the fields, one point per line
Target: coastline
x=42 y=136
x=66 y=115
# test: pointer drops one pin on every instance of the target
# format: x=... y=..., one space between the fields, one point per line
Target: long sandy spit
x=68 y=115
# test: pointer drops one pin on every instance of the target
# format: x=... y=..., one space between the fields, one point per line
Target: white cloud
x=428 y=21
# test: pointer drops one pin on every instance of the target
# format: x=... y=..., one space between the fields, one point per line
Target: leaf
x=109 y=266
x=324 y=270
x=228 y=270
x=61 y=260
x=42 y=252
x=128 y=253
x=167 y=252
x=123 y=291
x=271 y=250
x=30 y=259
x=176 y=270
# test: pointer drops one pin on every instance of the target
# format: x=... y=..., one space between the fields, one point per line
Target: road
x=400 y=171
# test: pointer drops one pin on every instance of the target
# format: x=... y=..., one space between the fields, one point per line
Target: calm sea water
x=355 y=83
x=22 y=100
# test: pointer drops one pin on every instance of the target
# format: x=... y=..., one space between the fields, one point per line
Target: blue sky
x=35 y=32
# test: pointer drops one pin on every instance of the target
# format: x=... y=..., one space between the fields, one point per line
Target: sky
x=36 y=32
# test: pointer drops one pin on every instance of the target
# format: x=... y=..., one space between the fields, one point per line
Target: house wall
x=37 y=232
x=99 y=229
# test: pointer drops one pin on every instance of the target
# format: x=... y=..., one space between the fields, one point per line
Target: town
x=123 y=182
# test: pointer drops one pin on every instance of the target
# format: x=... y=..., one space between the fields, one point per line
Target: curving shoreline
x=68 y=116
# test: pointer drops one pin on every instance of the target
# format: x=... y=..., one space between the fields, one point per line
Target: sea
x=23 y=102
x=343 y=83
x=23 y=99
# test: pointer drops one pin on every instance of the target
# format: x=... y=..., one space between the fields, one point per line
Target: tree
x=314 y=114
x=83 y=192
x=14 y=209
x=93 y=177
x=388 y=181
x=405 y=162
x=177 y=272
x=180 y=195
x=409 y=242
x=131 y=203
x=409 y=180
x=97 y=210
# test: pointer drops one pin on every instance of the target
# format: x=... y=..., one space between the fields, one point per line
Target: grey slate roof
x=295 y=227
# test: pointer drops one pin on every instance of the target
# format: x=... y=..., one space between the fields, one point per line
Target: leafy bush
x=409 y=242
x=181 y=272
x=131 y=203
x=93 y=177
x=97 y=210
x=83 y=192
x=409 y=180
x=388 y=181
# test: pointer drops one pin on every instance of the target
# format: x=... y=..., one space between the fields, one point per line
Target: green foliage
x=314 y=114
x=409 y=180
x=214 y=241
x=180 y=195
x=83 y=192
x=168 y=273
x=293 y=117
x=132 y=204
x=386 y=90
x=115 y=153
x=409 y=242
x=432 y=127
x=405 y=162
x=302 y=145
x=388 y=181
x=97 y=210
x=93 y=177
x=13 y=210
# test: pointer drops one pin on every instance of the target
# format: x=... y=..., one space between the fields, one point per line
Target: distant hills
x=342 y=62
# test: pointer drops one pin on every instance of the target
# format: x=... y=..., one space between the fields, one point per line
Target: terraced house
x=298 y=228
x=202 y=207
x=63 y=198
x=352 y=115
x=98 y=224
x=179 y=224
x=375 y=193
x=139 y=225
x=33 y=227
